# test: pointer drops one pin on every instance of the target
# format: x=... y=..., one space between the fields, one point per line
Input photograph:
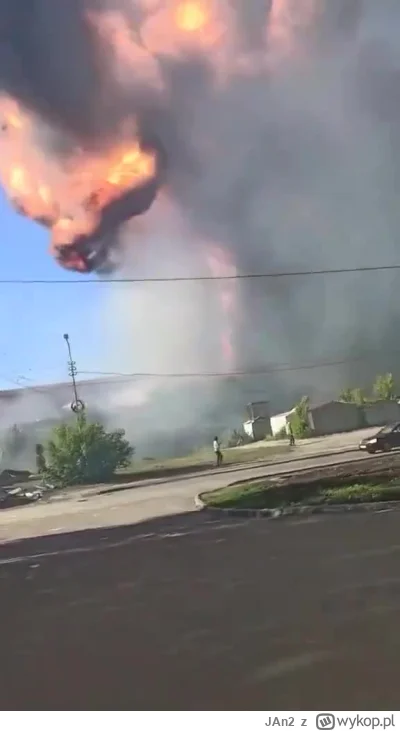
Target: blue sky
x=34 y=317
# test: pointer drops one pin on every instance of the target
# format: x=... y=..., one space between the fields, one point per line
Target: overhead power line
x=111 y=377
x=119 y=377
x=209 y=278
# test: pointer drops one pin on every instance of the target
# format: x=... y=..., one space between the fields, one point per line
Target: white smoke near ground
x=156 y=329
x=166 y=323
x=27 y=417
x=27 y=408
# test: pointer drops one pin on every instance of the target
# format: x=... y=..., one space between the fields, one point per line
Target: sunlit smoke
x=287 y=23
x=271 y=130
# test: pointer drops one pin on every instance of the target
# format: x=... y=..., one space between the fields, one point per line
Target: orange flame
x=182 y=24
x=190 y=16
x=68 y=196
x=221 y=265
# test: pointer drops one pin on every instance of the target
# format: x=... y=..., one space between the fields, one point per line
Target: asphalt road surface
x=187 y=614
x=142 y=501
x=172 y=610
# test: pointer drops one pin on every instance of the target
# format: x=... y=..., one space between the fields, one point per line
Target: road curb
x=303 y=510
x=301 y=470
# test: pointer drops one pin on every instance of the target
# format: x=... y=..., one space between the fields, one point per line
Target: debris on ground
x=11 y=497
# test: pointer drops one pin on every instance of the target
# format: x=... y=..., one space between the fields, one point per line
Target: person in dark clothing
x=291 y=435
x=217 y=451
x=40 y=459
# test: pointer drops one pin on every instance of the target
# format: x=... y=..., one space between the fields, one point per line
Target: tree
x=384 y=387
x=353 y=396
x=84 y=452
x=299 y=420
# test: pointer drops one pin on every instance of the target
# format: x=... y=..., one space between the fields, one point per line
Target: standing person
x=291 y=435
x=217 y=451
x=40 y=459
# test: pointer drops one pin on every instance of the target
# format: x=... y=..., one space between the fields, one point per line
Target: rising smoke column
x=280 y=128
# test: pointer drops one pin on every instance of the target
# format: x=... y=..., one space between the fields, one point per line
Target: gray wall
x=261 y=428
x=381 y=413
x=335 y=417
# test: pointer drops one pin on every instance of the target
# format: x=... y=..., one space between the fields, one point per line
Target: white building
x=280 y=422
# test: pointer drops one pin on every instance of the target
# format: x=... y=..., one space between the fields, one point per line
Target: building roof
x=256 y=418
x=284 y=413
x=322 y=404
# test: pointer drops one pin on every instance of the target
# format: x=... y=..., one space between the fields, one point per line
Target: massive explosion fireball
x=270 y=126
x=85 y=89
x=84 y=200
x=80 y=172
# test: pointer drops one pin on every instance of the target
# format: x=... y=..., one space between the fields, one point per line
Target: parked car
x=384 y=440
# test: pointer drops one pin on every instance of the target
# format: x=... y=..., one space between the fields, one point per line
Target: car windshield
x=387 y=429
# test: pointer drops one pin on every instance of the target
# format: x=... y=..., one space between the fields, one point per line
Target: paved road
x=187 y=614
x=182 y=612
x=142 y=501
x=164 y=496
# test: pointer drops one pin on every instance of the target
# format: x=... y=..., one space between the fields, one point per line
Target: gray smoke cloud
x=291 y=163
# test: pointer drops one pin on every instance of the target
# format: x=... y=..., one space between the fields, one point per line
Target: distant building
x=280 y=422
x=381 y=412
x=258 y=425
x=333 y=417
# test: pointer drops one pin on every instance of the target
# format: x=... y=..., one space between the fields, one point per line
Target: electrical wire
x=111 y=377
x=103 y=377
x=209 y=278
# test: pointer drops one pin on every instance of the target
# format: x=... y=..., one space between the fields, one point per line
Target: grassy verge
x=202 y=460
x=266 y=495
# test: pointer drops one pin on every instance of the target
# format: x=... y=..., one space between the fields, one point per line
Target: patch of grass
x=358 y=494
x=148 y=469
x=267 y=495
x=205 y=457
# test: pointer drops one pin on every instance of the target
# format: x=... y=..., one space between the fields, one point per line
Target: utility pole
x=77 y=405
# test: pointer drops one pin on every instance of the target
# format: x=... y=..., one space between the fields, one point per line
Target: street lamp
x=77 y=405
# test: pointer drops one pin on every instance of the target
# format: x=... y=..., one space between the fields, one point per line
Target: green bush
x=299 y=420
x=353 y=396
x=384 y=387
x=84 y=452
